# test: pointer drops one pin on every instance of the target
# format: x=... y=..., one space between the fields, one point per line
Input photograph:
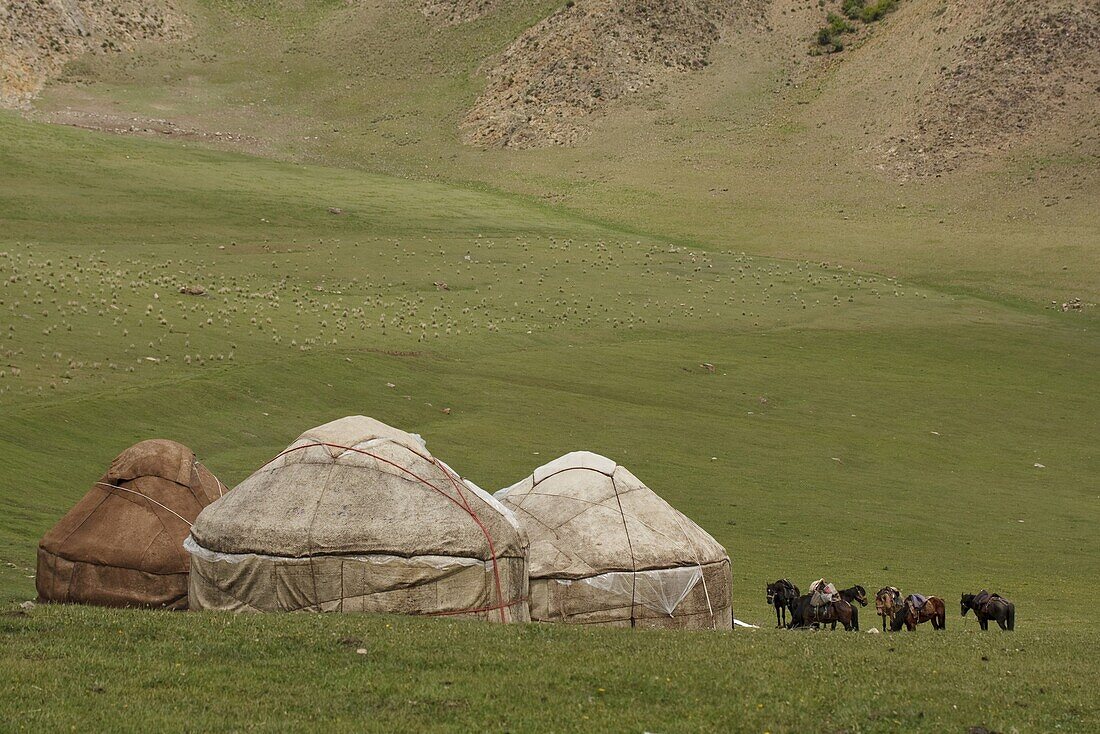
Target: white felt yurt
x=356 y=516
x=606 y=549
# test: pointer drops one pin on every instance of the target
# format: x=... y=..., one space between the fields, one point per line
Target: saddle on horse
x=916 y=602
x=822 y=596
x=984 y=598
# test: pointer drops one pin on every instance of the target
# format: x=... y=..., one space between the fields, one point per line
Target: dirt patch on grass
x=38 y=38
x=588 y=54
x=94 y=119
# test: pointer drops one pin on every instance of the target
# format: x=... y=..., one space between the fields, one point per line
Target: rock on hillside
x=1013 y=72
x=589 y=53
x=38 y=37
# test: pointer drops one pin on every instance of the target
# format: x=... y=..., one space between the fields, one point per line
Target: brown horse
x=887 y=601
x=805 y=614
x=907 y=615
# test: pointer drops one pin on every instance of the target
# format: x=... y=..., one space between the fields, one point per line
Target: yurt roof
x=358 y=486
x=586 y=515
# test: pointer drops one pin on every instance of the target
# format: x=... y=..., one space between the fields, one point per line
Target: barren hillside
x=939 y=86
x=38 y=37
x=590 y=53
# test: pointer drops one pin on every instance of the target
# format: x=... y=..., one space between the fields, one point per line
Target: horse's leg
x=777 y=622
x=983 y=623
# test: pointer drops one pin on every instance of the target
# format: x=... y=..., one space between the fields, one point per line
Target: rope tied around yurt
x=461 y=503
x=145 y=496
x=630 y=547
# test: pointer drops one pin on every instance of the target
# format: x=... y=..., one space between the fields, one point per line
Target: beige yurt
x=356 y=516
x=605 y=549
x=121 y=545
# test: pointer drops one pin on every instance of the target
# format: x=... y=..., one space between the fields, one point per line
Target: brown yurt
x=358 y=516
x=605 y=549
x=122 y=544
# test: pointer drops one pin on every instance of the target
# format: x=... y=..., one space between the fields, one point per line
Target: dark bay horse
x=988 y=606
x=854 y=594
x=907 y=615
x=804 y=614
x=782 y=595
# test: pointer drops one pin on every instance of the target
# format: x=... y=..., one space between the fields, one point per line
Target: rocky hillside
x=588 y=54
x=939 y=83
x=1019 y=71
x=38 y=37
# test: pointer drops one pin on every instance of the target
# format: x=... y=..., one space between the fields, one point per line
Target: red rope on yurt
x=462 y=505
x=488 y=537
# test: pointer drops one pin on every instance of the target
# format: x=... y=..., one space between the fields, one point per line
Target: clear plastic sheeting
x=439 y=563
x=661 y=590
x=376 y=582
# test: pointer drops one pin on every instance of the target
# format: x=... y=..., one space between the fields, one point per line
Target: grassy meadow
x=867 y=428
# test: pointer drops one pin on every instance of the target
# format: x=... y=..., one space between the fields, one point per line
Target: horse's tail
x=1011 y=617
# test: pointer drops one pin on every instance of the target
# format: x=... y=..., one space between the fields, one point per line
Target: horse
x=782 y=595
x=804 y=614
x=855 y=593
x=887 y=601
x=909 y=616
x=988 y=606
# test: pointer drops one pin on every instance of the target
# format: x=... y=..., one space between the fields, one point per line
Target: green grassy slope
x=764 y=151
x=856 y=426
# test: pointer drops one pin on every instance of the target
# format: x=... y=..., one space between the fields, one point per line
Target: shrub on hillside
x=835 y=26
x=853 y=8
x=866 y=11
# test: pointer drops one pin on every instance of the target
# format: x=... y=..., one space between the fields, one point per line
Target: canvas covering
x=358 y=516
x=606 y=549
x=121 y=544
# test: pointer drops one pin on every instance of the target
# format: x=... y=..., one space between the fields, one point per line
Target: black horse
x=804 y=614
x=782 y=595
x=988 y=606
